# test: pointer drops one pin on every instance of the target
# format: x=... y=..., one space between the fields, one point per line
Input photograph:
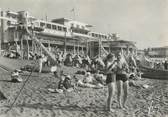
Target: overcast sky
x=142 y=21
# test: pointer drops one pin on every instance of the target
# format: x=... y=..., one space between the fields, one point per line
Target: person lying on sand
x=63 y=85
x=15 y=77
x=89 y=81
x=101 y=78
x=136 y=75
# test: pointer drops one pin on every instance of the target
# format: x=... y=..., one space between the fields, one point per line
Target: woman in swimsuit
x=122 y=79
x=111 y=78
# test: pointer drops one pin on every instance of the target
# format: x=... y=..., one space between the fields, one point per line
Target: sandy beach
x=36 y=101
x=62 y=58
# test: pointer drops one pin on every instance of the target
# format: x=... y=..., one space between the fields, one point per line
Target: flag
x=72 y=10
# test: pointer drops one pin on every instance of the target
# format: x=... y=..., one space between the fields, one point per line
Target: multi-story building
x=158 y=52
x=62 y=33
x=8 y=25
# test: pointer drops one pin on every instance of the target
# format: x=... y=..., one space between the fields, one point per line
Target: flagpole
x=74 y=15
x=46 y=17
x=73 y=10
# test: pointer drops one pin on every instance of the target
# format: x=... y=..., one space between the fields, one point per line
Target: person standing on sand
x=40 y=62
x=110 y=64
x=122 y=80
x=166 y=65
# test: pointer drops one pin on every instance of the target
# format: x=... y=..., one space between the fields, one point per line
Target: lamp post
x=87 y=47
x=65 y=42
x=99 y=47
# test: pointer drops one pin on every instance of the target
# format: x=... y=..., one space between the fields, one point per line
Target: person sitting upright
x=15 y=77
x=65 y=83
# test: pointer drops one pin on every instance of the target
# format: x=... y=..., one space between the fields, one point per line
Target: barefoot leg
x=119 y=92
x=125 y=91
x=111 y=90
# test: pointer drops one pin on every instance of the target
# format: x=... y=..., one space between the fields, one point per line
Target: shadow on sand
x=54 y=107
x=51 y=107
x=11 y=81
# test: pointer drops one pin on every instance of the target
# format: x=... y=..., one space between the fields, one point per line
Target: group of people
x=79 y=60
x=117 y=73
x=118 y=69
x=161 y=65
x=96 y=80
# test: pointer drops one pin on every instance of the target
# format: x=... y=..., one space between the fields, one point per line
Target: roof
x=43 y=21
x=58 y=19
x=12 y=13
x=68 y=20
x=166 y=47
x=123 y=43
x=17 y=13
x=98 y=33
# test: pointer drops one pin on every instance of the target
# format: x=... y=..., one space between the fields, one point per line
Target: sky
x=142 y=21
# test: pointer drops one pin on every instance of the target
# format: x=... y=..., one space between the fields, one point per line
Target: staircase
x=103 y=53
x=51 y=57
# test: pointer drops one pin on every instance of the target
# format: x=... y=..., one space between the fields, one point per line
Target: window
x=59 y=28
x=83 y=27
x=64 y=29
x=42 y=24
x=77 y=26
x=49 y=26
x=14 y=17
x=15 y=34
x=54 y=27
x=36 y=24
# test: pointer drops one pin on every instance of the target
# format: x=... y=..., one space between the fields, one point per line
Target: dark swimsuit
x=111 y=77
x=122 y=77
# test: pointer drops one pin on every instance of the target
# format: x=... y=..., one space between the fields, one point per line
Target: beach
x=36 y=101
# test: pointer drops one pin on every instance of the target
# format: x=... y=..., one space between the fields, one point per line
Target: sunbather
x=89 y=81
x=15 y=77
x=63 y=85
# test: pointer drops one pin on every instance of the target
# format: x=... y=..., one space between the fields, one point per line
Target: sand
x=36 y=101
